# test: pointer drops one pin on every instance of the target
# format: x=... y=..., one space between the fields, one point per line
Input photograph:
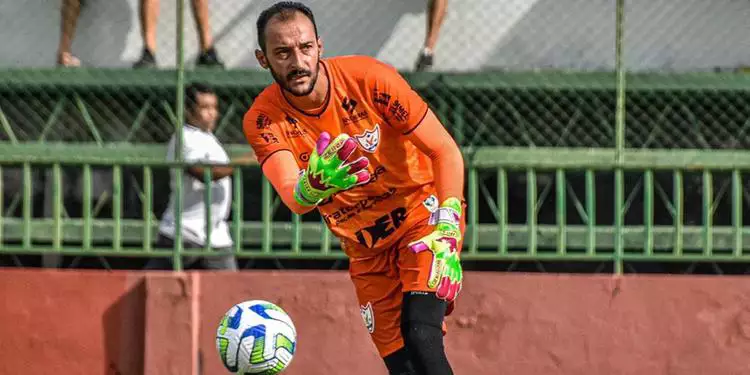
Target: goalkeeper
x=349 y=137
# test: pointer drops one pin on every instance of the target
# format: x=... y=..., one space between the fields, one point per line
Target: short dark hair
x=192 y=91
x=285 y=10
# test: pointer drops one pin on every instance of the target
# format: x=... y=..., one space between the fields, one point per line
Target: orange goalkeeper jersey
x=371 y=102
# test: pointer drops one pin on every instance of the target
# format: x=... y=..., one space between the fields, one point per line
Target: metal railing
x=569 y=180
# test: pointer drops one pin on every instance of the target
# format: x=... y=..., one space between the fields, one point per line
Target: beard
x=297 y=90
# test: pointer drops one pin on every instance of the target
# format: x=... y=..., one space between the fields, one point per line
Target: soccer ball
x=256 y=337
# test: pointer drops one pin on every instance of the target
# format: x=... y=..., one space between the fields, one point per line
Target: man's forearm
x=448 y=167
x=217 y=172
x=284 y=185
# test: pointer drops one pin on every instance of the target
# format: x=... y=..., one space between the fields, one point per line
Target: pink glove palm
x=328 y=171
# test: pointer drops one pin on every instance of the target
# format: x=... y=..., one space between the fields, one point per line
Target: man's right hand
x=329 y=171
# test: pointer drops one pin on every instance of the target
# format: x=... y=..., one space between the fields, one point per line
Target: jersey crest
x=370 y=139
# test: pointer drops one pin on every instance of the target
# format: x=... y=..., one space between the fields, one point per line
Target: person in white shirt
x=201 y=146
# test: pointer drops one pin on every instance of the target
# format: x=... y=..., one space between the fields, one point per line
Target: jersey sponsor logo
x=269 y=138
x=379 y=170
x=296 y=131
x=344 y=214
x=398 y=111
x=382 y=228
x=381 y=98
x=395 y=108
x=357 y=117
x=368 y=316
x=370 y=139
x=350 y=106
x=262 y=121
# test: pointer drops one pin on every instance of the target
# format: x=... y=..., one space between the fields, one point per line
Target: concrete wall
x=478 y=34
x=98 y=322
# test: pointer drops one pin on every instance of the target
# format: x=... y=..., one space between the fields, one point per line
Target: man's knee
x=424 y=308
x=421 y=321
x=423 y=338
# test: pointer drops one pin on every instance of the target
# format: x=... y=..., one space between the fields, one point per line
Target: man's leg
x=208 y=55
x=224 y=262
x=162 y=242
x=400 y=363
x=423 y=314
x=379 y=293
x=436 y=10
x=70 y=11
x=422 y=328
x=149 y=17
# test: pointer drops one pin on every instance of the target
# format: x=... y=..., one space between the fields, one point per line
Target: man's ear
x=320 y=47
x=261 y=58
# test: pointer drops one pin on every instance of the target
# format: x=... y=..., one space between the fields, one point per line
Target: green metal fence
x=568 y=204
x=590 y=166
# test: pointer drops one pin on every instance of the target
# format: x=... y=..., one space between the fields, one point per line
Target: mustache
x=298 y=73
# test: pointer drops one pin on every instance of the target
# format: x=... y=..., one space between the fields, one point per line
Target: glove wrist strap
x=299 y=192
x=445 y=215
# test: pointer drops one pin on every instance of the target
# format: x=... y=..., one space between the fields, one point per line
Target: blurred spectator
x=200 y=146
x=435 y=16
x=69 y=18
x=149 y=15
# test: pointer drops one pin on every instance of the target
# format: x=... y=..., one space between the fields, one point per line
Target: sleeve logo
x=269 y=138
x=431 y=203
x=262 y=122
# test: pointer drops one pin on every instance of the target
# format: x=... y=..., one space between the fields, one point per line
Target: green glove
x=446 y=274
x=328 y=171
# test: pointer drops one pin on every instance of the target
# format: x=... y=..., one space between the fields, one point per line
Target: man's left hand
x=446 y=274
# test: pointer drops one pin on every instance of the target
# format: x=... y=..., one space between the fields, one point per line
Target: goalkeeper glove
x=445 y=274
x=327 y=171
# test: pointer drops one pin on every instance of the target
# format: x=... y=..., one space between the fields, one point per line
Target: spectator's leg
x=200 y=13
x=224 y=262
x=162 y=242
x=436 y=14
x=208 y=55
x=69 y=18
x=437 y=11
x=149 y=17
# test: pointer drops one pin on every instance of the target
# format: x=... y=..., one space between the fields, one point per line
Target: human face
x=204 y=112
x=292 y=53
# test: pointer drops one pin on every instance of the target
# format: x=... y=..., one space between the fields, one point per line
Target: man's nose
x=297 y=59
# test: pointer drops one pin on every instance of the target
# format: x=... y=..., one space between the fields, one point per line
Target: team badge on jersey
x=368 y=317
x=431 y=203
x=370 y=139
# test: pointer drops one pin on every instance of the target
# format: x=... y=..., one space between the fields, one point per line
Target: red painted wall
x=118 y=322
x=71 y=322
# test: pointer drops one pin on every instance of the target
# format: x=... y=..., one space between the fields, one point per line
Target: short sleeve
x=263 y=134
x=394 y=98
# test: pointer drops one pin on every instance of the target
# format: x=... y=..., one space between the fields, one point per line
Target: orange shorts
x=381 y=280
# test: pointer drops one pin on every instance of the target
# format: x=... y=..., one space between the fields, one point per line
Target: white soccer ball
x=256 y=337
